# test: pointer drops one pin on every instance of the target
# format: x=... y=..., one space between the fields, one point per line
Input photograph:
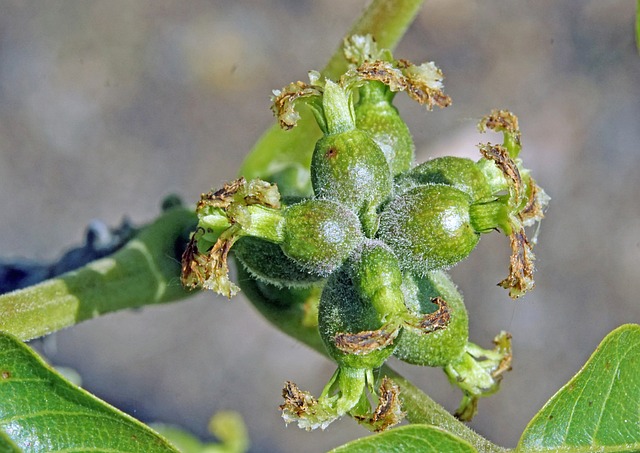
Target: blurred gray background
x=108 y=106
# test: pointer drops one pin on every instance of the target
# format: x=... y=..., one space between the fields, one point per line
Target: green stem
x=386 y=20
x=266 y=223
x=145 y=271
x=351 y=382
x=420 y=408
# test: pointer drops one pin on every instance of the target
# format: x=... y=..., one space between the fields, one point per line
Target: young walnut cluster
x=376 y=237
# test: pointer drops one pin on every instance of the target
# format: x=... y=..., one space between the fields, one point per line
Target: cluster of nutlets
x=376 y=236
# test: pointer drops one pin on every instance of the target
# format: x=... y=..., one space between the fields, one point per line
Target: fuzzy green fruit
x=343 y=310
x=376 y=274
x=319 y=235
x=350 y=168
x=267 y=262
x=441 y=347
x=376 y=115
x=461 y=173
x=428 y=228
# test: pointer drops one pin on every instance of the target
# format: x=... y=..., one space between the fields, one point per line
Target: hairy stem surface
x=144 y=272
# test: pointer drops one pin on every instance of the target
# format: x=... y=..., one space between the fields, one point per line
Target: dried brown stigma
x=366 y=341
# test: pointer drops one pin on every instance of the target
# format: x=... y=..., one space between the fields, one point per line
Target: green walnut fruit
x=376 y=274
x=376 y=115
x=319 y=235
x=343 y=310
x=267 y=262
x=440 y=347
x=429 y=227
x=347 y=166
x=461 y=173
x=350 y=168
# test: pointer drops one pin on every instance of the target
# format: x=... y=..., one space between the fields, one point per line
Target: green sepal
x=345 y=393
x=319 y=235
x=478 y=373
x=487 y=217
x=355 y=334
x=337 y=105
x=240 y=208
x=377 y=277
x=351 y=169
x=266 y=261
x=464 y=174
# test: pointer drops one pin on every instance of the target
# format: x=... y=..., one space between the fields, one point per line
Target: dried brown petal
x=520 y=279
x=284 y=100
x=388 y=413
x=358 y=49
x=296 y=402
x=221 y=198
x=437 y=320
x=424 y=84
x=217 y=267
x=255 y=191
x=503 y=347
x=385 y=72
x=192 y=263
x=260 y=192
x=228 y=206
x=506 y=164
x=534 y=210
x=501 y=121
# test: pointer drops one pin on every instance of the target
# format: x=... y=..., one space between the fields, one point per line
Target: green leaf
x=40 y=411
x=7 y=445
x=599 y=409
x=422 y=438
